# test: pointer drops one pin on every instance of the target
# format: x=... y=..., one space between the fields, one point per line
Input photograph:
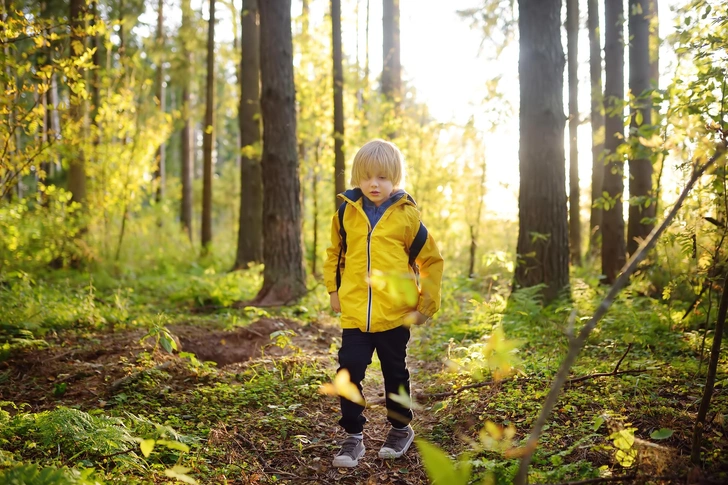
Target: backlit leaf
x=342 y=386
x=147 y=446
x=440 y=468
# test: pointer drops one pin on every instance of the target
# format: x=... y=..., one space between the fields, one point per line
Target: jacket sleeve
x=332 y=256
x=431 y=267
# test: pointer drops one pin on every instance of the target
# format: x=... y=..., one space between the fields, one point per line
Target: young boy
x=381 y=234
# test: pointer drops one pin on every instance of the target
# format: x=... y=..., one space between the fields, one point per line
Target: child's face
x=376 y=188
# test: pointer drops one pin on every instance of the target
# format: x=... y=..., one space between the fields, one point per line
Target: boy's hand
x=418 y=318
x=335 y=305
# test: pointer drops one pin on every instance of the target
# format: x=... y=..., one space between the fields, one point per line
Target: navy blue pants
x=355 y=355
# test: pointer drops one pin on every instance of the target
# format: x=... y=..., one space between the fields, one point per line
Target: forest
x=169 y=173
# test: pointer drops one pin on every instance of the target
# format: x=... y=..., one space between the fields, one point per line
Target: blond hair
x=378 y=157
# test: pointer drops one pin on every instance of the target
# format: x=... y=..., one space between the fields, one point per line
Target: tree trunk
x=250 y=231
x=77 y=169
x=392 y=69
x=613 y=245
x=95 y=82
x=159 y=174
x=597 y=127
x=314 y=196
x=366 y=48
x=122 y=32
x=572 y=36
x=543 y=243
x=655 y=43
x=284 y=277
x=642 y=205
x=208 y=134
x=658 y=159
x=339 y=164
x=186 y=136
x=475 y=228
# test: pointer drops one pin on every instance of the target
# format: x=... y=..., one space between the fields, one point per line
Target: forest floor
x=239 y=401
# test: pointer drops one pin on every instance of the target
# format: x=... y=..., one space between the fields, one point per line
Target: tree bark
x=159 y=174
x=95 y=81
x=597 y=127
x=613 y=245
x=208 y=134
x=655 y=41
x=284 y=277
x=339 y=164
x=250 y=231
x=186 y=135
x=543 y=243
x=392 y=68
x=641 y=205
x=77 y=163
x=572 y=37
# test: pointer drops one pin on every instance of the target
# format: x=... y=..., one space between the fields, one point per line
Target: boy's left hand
x=418 y=318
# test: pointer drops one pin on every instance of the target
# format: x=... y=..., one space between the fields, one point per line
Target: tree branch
x=616 y=367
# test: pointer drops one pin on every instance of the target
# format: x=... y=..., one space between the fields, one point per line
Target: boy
x=381 y=233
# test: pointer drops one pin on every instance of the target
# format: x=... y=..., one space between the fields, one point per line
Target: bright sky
x=440 y=58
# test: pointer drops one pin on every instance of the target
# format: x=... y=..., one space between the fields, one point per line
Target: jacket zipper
x=369 y=283
x=369 y=266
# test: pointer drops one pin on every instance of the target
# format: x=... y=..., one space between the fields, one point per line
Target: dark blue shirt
x=375 y=213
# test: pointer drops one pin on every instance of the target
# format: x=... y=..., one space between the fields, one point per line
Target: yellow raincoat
x=378 y=286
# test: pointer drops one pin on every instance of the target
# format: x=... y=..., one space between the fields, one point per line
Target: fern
x=33 y=475
x=75 y=434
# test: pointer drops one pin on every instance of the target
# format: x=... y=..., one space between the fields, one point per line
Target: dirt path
x=88 y=371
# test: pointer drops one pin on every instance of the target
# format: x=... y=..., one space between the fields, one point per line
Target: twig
x=605 y=374
x=305 y=448
x=122 y=452
x=616 y=367
x=439 y=395
x=576 y=345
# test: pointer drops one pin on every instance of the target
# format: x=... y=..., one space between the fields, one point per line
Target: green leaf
x=147 y=446
x=598 y=423
x=168 y=343
x=440 y=468
x=638 y=118
x=661 y=434
x=404 y=399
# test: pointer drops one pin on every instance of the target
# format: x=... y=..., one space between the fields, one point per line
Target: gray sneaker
x=352 y=449
x=397 y=443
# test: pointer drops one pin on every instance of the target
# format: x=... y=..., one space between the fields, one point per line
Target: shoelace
x=393 y=438
x=348 y=446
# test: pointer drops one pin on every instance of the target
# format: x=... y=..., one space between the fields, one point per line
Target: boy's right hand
x=335 y=305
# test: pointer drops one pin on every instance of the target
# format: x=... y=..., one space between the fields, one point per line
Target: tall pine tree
x=284 y=278
x=250 y=232
x=543 y=242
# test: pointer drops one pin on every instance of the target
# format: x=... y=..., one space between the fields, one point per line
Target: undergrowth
x=208 y=423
